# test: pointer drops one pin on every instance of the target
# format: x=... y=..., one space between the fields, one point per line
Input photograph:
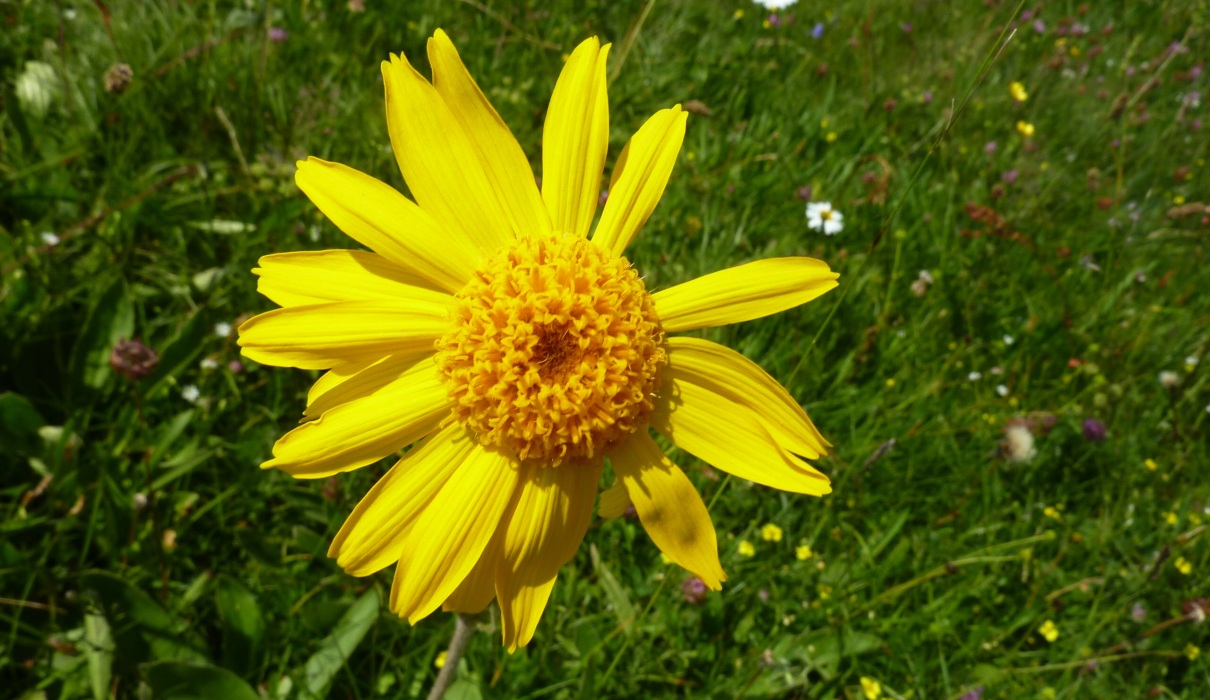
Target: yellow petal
x=726 y=372
x=499 y=153
x=743 y=293
x=670 y=509
x=730 y=437
x=553 y=510
x=440 y=163
x=365 y=430
x=335 y=377
x=370 y=379
x=614 y=501
x=575 y=140
x=322 y=336
x=478 y=589
x=372 y=537
x=375 y=215
x=318 y=277
x=639 y=178
x=449 y=536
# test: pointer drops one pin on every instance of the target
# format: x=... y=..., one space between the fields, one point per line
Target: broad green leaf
x=110 y=320
x=180 y=680
x=614 y=593
x=98 y=650
x=336 y=648
x=141 y=629
x=19 y=423
x=243 y=625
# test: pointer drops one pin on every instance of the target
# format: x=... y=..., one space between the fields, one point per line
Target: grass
x=1059 y=273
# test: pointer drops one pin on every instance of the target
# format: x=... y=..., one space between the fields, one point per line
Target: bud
x=118 y=78
x=132 y=359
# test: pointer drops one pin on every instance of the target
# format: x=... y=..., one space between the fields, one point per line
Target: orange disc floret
x=553 y=350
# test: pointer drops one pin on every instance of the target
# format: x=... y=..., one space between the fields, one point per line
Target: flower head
x=1094 y=430
x=694 y=591
x=1017 y=90
x=132 y=359
x=822 y=217
x=1025 y=129
x=515 y=351
x=1049 y=630
x=870 y=688
x=745 y=549
x=770 y=533
x=1018 y=444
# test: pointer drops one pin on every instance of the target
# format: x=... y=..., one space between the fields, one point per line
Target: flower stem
x=462 y=635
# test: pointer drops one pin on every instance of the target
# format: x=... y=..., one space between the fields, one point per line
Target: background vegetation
x=142 y=552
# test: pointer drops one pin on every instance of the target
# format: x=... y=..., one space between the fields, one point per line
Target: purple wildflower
x=132 y=359
x=975 y=693
x=990 y=147
x=804 y=193
x=278 y=34
x=694 y=591
x=1137 y=612
x=817 y=30
x=1040 y=27
x=1009 y=177
x=1094 y=430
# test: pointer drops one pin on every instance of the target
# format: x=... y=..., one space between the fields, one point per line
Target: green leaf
x=19 y=423
x=336 y=648
x=142 y=630
x=110 y=320
x=180 y=680
x=98 y=650
x=243 y=625
x=618 y=600
x=178 y=353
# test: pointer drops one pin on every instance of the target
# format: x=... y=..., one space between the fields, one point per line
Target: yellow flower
x=1049 y=630
x=1183 y=565
x=825 y=591
x=514 y=352
x=1048 y=693
x=1171 y=518
x=1017 y=90
x=770 y=533
x=1051 y=512
x=1192 y=652
x=439 y=662
x=871 y=688
x=746 y=549
x=1025 y=129
x=1150 y=464
x=831 y=137
x=739 y=14
x=803 y=552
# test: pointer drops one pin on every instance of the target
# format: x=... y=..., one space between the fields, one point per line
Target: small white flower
x=191 y=393
x=975 y=376
x=1191 y=360
x=1008 y=339
x=822 y=217
x=69 y=14
x=222 y=329
x=35 y=87
x=1002 y=390
x=314 y=232
x=1169 y=380
x=49 y=238
x=139 y=501
x=776 y=4
x=926 y=277
x=1019 y=444
x=209 y=364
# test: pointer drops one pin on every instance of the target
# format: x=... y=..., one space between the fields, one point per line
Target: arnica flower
x=514 y=353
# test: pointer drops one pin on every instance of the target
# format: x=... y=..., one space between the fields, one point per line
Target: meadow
x=1012 y=370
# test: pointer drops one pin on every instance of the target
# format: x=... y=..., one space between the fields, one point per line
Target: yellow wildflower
x=832 y=136
x=1049 y=630
x=1171 y=518
x=1192 y=651
x=1017 y=90
x=515 y=348
x=1048 y=693
x=770 y=533
x=746 y=549
x=1025 y=129
x=1150 y=464
x=439 y=662
x=739 y=14
x=1051 y=512
x=803 y=552
x=1183 y=565
x=871 y=688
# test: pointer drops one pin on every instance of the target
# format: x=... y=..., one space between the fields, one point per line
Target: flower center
x=553 y=350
